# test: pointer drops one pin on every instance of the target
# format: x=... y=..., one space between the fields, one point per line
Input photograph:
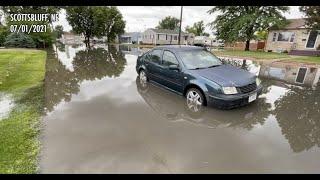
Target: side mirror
x=174 y=67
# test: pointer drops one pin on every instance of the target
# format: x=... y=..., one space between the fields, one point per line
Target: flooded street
x=100 y=119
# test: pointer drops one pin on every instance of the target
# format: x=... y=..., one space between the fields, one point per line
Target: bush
x=20 y=40
x=4 y=32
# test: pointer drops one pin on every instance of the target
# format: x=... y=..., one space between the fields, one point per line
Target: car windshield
x=199 y=59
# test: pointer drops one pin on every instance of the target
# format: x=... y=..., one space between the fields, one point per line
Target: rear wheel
x=195 y=99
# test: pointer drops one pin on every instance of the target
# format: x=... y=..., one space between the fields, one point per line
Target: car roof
x=179 y=47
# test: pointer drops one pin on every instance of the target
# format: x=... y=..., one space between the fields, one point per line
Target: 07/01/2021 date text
x=25 y=28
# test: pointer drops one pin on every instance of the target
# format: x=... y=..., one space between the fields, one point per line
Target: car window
x=155 y=56
x=169 y=59
x=198 y=59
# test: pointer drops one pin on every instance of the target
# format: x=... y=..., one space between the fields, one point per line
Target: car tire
x=195 y=99
x=143 y=77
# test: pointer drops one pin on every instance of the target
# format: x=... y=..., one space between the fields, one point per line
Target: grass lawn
x=260 y=55
x=21 y=75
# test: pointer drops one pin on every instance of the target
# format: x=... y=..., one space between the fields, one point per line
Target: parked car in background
x=198 y=75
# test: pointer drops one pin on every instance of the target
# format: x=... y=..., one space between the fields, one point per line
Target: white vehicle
x=202 y=41
x=207 y=41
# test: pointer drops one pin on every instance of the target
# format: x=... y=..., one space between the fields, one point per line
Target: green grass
x=21 y=75
x=260 y=55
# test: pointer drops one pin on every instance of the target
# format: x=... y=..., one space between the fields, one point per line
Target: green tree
x=59 y=31
x=241 y=22
x=42 y=39
x=197 y=29
x=313 y=16
x=261 y=35
x=20 y=40
x=96 y=21
x=4 y=32
x=169 y=23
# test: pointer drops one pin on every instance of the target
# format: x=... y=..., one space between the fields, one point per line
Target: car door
x=153 y=65
x=172 y=78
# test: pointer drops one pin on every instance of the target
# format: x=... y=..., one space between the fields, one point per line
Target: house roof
x=167 y=31
x=293 y=24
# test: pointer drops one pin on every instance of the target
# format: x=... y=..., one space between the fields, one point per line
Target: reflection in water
x=297 y=112
x=110 y=123
x=295 y=106
x=89 y=64
x=6 y=105
x=288 y=72
x=298 y=115
x=174 y=108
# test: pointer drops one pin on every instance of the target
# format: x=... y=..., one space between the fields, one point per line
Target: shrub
x=20 y=40
x=4 y=32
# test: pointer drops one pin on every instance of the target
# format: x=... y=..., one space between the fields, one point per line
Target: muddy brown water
x=101 y=119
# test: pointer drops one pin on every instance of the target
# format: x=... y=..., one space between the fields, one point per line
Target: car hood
x=227 y=75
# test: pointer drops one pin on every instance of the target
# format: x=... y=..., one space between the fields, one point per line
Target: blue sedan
x=198 y=75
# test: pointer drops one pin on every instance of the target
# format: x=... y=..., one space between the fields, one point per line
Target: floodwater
x=6 y=105
x=101 y=119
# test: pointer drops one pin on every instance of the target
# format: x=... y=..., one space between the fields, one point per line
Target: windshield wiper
x=198 y=68
x=214 y=66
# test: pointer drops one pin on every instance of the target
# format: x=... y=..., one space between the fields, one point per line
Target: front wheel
x=143 y=78
x=195 y=99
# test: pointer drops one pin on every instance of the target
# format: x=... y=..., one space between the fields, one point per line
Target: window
x=292 y=37
x=274 y=37
x=175 y=37
x=155 y=56
x=166 y=36
x=284 y=36
x=312 y=39
x=158 y=36
x=186 y=38
x=301 y=75
x=199 y=59
x=169 y=59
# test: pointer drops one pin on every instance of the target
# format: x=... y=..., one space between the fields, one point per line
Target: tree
x=59 y=31
x=4 y=32
x=261 y=35
x=169 y=23
x=313 y=16
x=241 y=22
x=197 y=29
x=42 y=39
x=19 y=40
x=96 y=21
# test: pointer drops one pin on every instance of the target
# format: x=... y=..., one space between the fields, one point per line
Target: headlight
x=229 y=90
x=258 y=81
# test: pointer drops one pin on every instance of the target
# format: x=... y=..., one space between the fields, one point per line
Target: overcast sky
x=139 y=18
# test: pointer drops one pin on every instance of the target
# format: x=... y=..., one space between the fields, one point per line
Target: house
x=293 y=73
x=71 y=38
x=166 y=36
x=130 y=38
x=294 y=38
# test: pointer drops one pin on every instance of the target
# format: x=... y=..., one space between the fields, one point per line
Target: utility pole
x=180 y=25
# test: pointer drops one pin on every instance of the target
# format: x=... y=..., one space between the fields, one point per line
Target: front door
x=154 y=65
x=172 y=78
x=312 y=39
